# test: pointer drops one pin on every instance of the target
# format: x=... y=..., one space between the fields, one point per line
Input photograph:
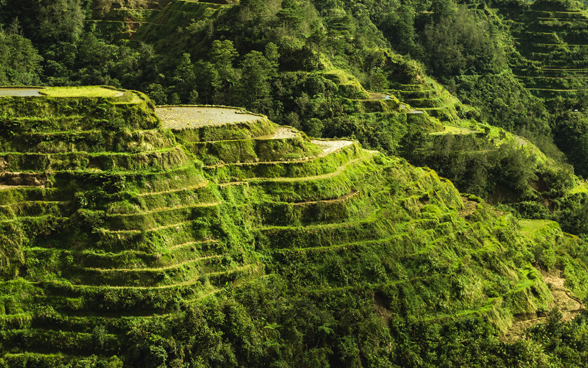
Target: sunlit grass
x=529 y=227
x=80 y=92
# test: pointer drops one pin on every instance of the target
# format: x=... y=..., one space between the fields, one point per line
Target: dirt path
x=569 y=306
x=193 y=243
x=196 y=117
x=469 y=207
x=148 y=230
x=335 y=200
x=194 y=187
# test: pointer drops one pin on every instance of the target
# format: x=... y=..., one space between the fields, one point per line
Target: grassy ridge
x=92 y=256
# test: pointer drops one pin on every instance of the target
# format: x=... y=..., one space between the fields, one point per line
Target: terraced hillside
x=135 y=20
x=113 y=220
x=552 y=41
x=428 y=96
x=103 y=214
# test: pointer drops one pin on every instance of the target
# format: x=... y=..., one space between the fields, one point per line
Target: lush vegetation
x=126 y=243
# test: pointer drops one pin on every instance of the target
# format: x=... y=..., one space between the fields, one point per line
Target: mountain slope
x=105 y=242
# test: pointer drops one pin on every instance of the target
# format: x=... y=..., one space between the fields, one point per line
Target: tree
x=19 y=61
x=61 y=20
x=442 y=9
x=257 y=72
x=398 y=26
x=157 y=94
x=272 y=55
x=207 y=80
x=222 y=55
x=174 y=99
x=193 y=97
x=184 y=77
x=291 y=14
x=461 y=44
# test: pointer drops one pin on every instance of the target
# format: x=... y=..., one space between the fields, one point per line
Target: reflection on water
x=20 y=92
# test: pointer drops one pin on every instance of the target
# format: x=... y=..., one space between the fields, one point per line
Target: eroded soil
x=331 y=146
x=569 y=306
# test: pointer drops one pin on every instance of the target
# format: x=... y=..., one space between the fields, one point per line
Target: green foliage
x=61 y=20
x=257 y=72
x=504 y=102
x=219 y=247
x=477 y=166
x=459 y=43
x=20 y=63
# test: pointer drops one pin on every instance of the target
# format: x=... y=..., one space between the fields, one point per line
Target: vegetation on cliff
x=206 y=236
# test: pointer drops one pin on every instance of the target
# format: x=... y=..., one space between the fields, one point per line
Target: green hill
x=399 y=184
x=551 y=38
x=216 y=236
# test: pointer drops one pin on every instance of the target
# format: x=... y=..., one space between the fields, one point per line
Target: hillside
x=551 y=37
x=123 y=235
x=397 y=184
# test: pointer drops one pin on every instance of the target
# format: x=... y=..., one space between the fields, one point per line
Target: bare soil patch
x=521 y=141
x=569 y=305
x=469 y=207
x=377 y=96
x=12 y=179
x=331 y=146
x=283 y=133
x=196 y=117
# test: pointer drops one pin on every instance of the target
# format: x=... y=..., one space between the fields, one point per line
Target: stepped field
x=120 y=221
x=552 y=41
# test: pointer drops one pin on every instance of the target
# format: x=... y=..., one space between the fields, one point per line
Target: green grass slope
x=124 y=237
x=551 y=39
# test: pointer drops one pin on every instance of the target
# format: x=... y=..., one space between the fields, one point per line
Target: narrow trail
x=202 y=297
x=362 y=243
x=148 y=230
x=194 y=187
x=185 y=283
x=255 y=163
x=321 y=226
x=193 y=243
x=34 y=202
x=97 y=154
x=6 y=187
x=105 y=270
x=368 y=285
x=164 y=209
x=334 y=200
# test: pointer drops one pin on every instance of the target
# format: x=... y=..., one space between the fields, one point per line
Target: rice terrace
x=293 y=183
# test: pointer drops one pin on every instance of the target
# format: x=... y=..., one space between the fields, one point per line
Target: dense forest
x=490 y=94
